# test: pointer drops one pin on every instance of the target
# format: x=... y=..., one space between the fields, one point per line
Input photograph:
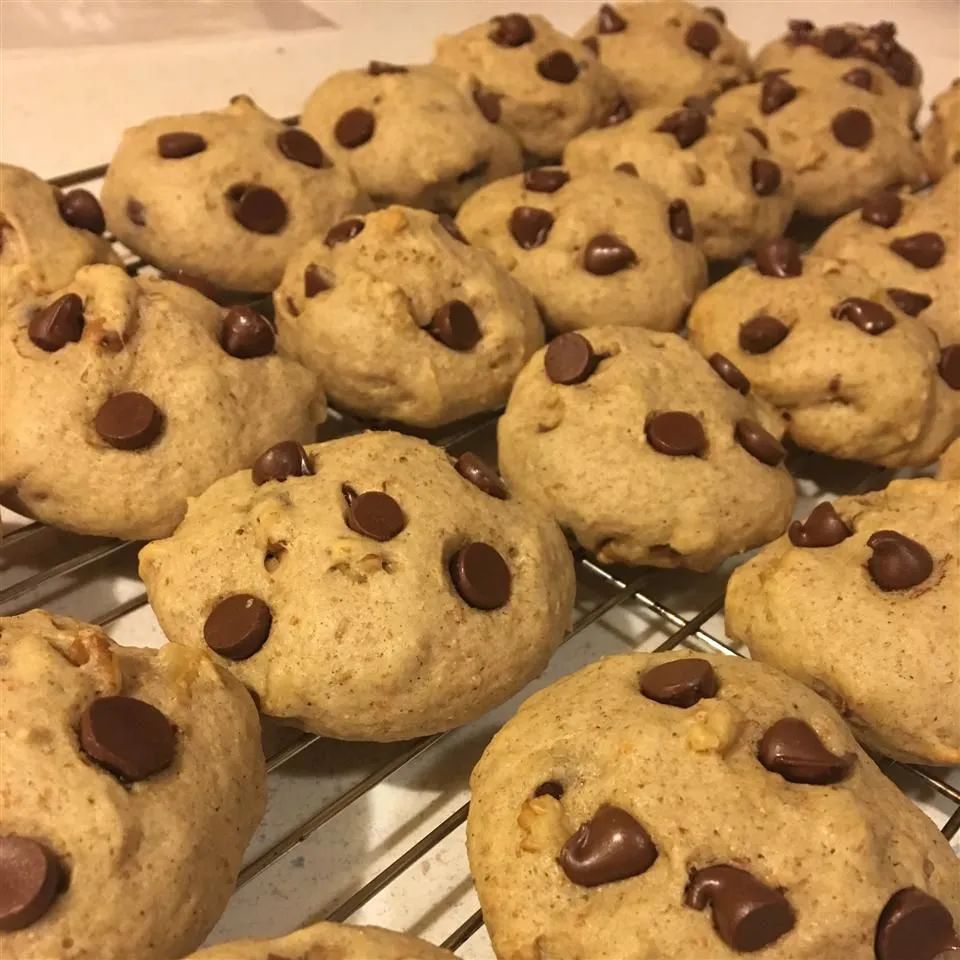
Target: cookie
x=678 y=805
x=133 y=779
x=403 y=320
x=839 y=142
x=548 y=86
x=366 y=588
x=46 y=235
x=737 y=195
x=224 y=196
x=646 y=453
x=861 y=602
x=940 y=141
x=602 y=248
x=423 y=136
x=857 y=377
x=662 y=52
x=124 y=396
x=949 y=468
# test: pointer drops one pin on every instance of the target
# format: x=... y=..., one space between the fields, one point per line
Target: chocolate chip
x=680 y=683
x=759 y=136
x=244 y=333
x=731 y=374
x=481 y=576
x=377 y=68
x=765 y=177
x=882 y=209
x=550 y=788
x=31 y=877
x=558 y=67
x=758 y=443
x=129 y=421
x=676 y=434
x=259 y=209
x=836 y=42
x=618 y=114
x=58 y=324
x=481 y=475
x=530 y=226
x=238 y=626
x=853 y=127
x=779 y=258
x=870 y=317
x=908 y=301
x=354 y=128
x=450 y=225
x=343 y=231
x=801 y=26
x=775 y=92
x=716 y=13
x=702 y=37
x=630 y=169
x=859 y=77
x=282 y=460
x=545 y=180
x=455 y=326
x=136 y=213
x=511 y=30
x=823 y=528
x=313 y=281
x=80 y=208
x=609 y=21
x=949 y=365
x=592 y=44
x=678 y=216
x=376 y=515
x=761 y=334
x=747 y=914
x=687 y=126
x=488 y=104
x=914 y=926
x=176 y=146
x=570 y=359
x=897 y=562
x=792 y=748
x=610 y=846
x=130 y=738
x=923 y=250
x=606 y=254
x=297 y=145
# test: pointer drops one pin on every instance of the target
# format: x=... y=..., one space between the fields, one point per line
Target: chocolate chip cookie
x=856 y=375
x=940 y=141
x=548 y=87
x=132 y=781
x=124 y=396
x=861 y=602
x=224 y=196
x=678 y=805
x=403 y=320
x=597 y=249
x=367 y=588
x=737 y=195
x=646 y=452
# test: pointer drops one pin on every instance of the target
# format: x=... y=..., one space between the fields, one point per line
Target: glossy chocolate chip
x=761 y=334
x=558 y=67
x=702 y=37
x=376 y=515
x=511 y=30
x=910 y=302
x=630 y=169
x=759 y=443
x=610 y=846
x=569 y=359
x=259 y=209
x=550 y=788
x=481 y=576
x=297 y=145
x=764 y=176
x=282 y=460
x=481 y=475
x=530 y=226
x=923 y=250
x=824 y=527
x=129 y=421
x=859 y=77
x=792 y=748
x=136 y=213
x=545 y=179
x=676 y=434
x=686 y=125
x=949 y=365
x=915 y=926
x=245 y=333
x=379 y=68
x=897 y=562
x=488 y=104
x=455 y=326
x=680 y=683
x=606 y=254
x=130 y=738
x=779 y=258
x=313 y=281
x=354 y=128
x=775 y=92
x=609 y=21
x=58 y=324
x=619 y=113
x=31 y=877
x=177 y=146
x=882 y=209
x=80 y=208
x=343 y=231
x=730 y=373
x=759 y=136
x=868 y=315
x=747 y=914
x=678 y=217
x=716 y=13
x=238 y=626
x=852 y=128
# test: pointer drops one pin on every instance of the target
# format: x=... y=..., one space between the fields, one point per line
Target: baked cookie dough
x=856 y=376
x=662 y=52
x=861 y=602
x=598 y=249
x=132 y=781
x=940 y=141
x=644 y=451
x=46 y=235
x=225 y=196
x=949 y=468
x=124 y=396
x=550 y=87
x=403 y=320
x=366 y=588
x=423 y=136
x=678 y=805
x=737 y=195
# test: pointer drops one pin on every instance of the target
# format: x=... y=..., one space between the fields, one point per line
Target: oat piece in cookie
x=123 y=396
x=550 y=87
x=403 y=320
x=226 y=196
x=940 y=141
x=132 y=781
x=857 y=377
x=679 y=805
x=597 y=249
x=644 y=451
x=367 y=588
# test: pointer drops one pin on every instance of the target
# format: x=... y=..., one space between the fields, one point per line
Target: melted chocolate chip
x=606 y=254
x=58 y=324
x=761 y=334
x=379 y=68
x=680 y=683
x=676 y=434
x=238 y=626
x=702 y=37
x=177 y=146
x=354 y=128
x=376 y=515
x=949 y=365
x=481 y=475
x=512 y=30
x=530 y=226
x=731 y=374
x=558 y=67
x=282 y=460
x=882 y=209
x=775 y=92
x=859 y=77
x=609 y=21
x=136 y=213
x=259 y=209
x=481 y=576
x=245 y=333
x=618 y=114
x=488 y=104
x=80 y=208
x=630 y=169
x=130 y=738
x=915 y=926
x=31 y=877
x=853 y=127
x=129 y=421
x=792 y=748
x=313 y=281
x=545 y=179
x=923 y=250
x=686 y=125
x=610 y=846
x=824 y=527
x=759 y=443
x=297 y=145
x=911 y=303
x=455 y=326
x=764 y=176
x=867 y=315
x=569 y=359
x=343 y=231
x=779 y=258
x=678 y=217
x=897 y=562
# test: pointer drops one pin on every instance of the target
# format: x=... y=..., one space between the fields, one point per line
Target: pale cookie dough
x=949 y=468
x=366 y=588
x=403 y=320
x=225 y=196
x=688 y=806
x=121 y=397
x=736 y=193
x=424 y=136
x=821 y=340
x=45 y=236
x=550 y=87
x=940 y=141
x=645 y=453
x=861 y=602
x=662 y=52
x=597 y=249
x=132 y=782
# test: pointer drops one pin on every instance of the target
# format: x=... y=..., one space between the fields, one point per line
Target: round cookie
x=818 y=338
x=662 y=52
x=861 y=602
x=124 y=396
x=949 y=468
x=643 y=451
x=224 y=196
x=602 y=248
x=403 y=320
x=46 y=236
x=737 y=195
x=423 y=136
x=940 y=141
x=550 y=88
x=672 y=805
x=133 y=779
x=366 y=588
